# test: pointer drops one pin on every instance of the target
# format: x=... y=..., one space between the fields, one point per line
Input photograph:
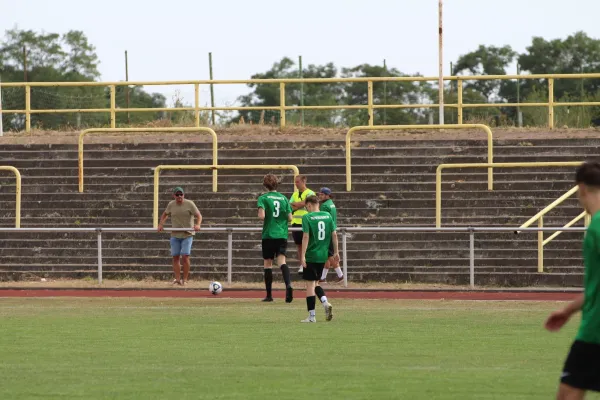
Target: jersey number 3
x=277 y=207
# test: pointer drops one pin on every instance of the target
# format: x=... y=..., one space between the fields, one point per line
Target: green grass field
x=221 y=348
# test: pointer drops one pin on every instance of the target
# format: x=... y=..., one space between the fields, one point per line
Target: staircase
x=393 y=185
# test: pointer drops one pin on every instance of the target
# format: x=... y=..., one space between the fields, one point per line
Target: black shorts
x=330 y=253
x=313 y=271
x=297 y=235
x=271 y=248
x=582 y=367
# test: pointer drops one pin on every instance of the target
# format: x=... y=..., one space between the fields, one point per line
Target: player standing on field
x=325 y=197
x=581 y=371
x=298 y=206
x=275 y=212
x=318 y=231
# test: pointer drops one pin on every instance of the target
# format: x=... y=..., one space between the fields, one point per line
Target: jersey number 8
x=321 y=233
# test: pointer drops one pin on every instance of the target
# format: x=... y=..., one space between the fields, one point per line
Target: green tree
x=267 y=95
x=52 y=57
x=402 y=92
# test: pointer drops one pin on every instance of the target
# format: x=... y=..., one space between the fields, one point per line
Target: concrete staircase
x=393 y=184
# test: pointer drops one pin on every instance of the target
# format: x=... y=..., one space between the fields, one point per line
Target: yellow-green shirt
x=299 y=213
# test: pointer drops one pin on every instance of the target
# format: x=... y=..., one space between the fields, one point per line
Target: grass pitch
x=99 y=348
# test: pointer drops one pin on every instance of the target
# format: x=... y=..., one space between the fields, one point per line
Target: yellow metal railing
x=160 y=168
x=17 y=191
x=282 y=107
x=138 y=130
x=441 y=167
x=485 y=128
x=539 y=218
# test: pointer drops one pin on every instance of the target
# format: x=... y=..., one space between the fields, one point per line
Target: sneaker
x=322 y=280
x=339 y=279
x=176 y=282
x=309 y=319
x=267 y=299
x=182 y=282
x=289 y=294
x=328 y=312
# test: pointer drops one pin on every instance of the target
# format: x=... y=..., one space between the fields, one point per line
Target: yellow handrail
x=17 y=191
x=206 y=167
x=137 y=130
x=539 y=217
x=282 y=108
x=441 y=167
x=485 y=128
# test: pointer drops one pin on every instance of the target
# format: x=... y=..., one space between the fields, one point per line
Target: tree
x=52 y=57
x=267 y=95
x=578 y=53
x=402 y=92
x=488 y=60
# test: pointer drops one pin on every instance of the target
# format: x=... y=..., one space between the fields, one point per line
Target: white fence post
x=229 y=255
x=99 y=230
x=472 y=258
x=345 y=257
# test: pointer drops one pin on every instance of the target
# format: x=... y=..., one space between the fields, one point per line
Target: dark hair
x=270 y=182
x=311 y=200
x=588 y=173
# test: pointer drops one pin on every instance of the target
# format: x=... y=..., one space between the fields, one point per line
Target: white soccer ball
x=215 y=288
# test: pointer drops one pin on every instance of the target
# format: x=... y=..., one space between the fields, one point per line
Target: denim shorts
x=181 y=247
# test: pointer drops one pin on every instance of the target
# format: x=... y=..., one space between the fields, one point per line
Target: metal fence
x=342 y=233
x=282 y=107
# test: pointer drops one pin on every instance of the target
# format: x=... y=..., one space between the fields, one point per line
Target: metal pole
x=99 y=230
x=345 y=257
x=519 y=115
x=229 y=255
x=24 y=64
x=301 y=75
x=1 y=126
x=441 y=67
x=127 y=87
x=212 y=89
x=472 y=258
x=384 y=93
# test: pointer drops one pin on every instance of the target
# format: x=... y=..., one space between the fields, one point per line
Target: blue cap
x=325 y=190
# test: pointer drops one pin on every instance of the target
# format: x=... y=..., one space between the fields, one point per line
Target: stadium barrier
x=485 y=128
x=343 y=232
x=441 y=167
x=539 y=217
x=17 y=191
x=207 y=167
x=283 y=107
x=146 y=130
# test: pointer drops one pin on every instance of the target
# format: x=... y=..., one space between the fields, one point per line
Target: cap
x=178 y=189
x=325 y=190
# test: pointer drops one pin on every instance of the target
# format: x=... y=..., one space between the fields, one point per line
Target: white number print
x=277 y=207
x=321 y=233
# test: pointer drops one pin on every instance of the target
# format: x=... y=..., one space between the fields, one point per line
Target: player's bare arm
x=198 y=217
x=163 y=219
x=261 y=214
x=559 y=318
x=305 y=239
x=336 y=253
x=290 y=217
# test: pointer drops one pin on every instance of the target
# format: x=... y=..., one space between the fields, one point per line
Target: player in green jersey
x=275 y=212
x=327 y=205
x=581 y=371
x=318 y=231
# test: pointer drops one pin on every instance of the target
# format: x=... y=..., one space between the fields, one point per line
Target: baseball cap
x=325 y=190
x=178 y=189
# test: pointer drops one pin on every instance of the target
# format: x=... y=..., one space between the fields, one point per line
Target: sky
x=170 y=40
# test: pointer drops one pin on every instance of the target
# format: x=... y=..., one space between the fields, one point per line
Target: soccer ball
x=215 y=288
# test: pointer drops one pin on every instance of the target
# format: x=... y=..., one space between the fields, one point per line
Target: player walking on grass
x=581 y=370
x=275 y=212
x=318 y=231
x=297 y=201
x=182 y=212
x=327 y=205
